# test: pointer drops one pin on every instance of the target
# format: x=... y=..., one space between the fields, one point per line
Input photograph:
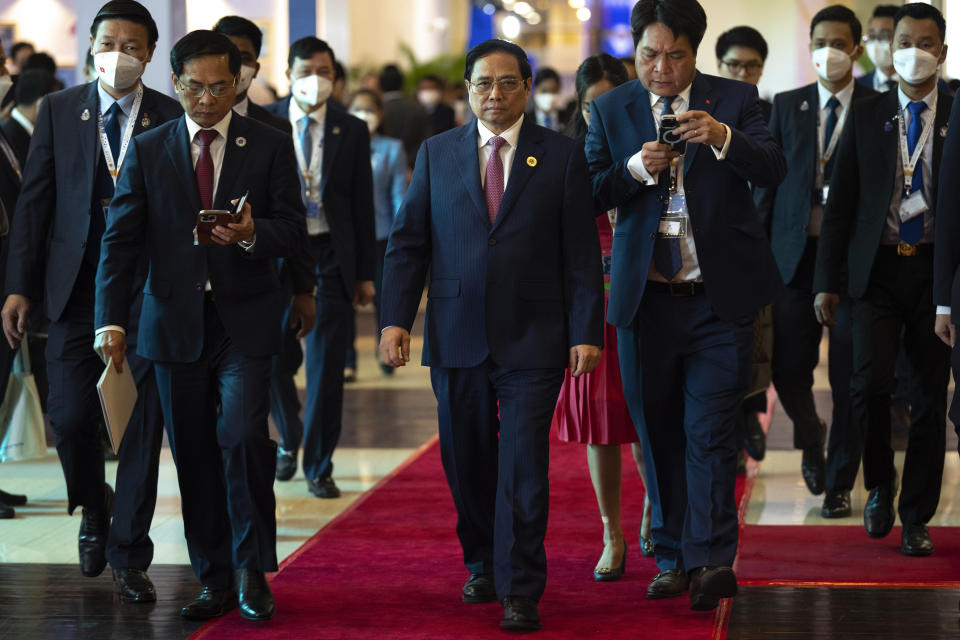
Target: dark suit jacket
x=347 y=191
x=442 y=118
x=785 y=208
x=149 y=218
x=862 y=188
x=406 y=119
x=946 y=286
x=18 y=138
x=260 y=114
x=9 y=190
x=867 y=81
x=738 y=269
x=522 y=291
x=53 y=214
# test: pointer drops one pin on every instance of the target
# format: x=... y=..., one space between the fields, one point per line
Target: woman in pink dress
x=591 y=409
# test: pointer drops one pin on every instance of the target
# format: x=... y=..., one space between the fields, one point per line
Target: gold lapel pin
x=531 y=161
x=145 y=122
x=943 y=131
x=85 y=115
x=241 y=142
x=336 y=131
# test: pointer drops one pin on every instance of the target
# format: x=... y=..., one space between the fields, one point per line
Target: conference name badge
x=672 y=227
x=531 y=161
x=912 y=206
x=241 y=142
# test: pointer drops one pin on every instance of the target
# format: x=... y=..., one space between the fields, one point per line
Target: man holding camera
x=692 y=267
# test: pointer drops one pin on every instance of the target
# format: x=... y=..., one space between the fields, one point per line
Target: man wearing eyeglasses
x=741 y=53
x=499 y=212
x=210 y=312
x=807 y=123
x=877 y=43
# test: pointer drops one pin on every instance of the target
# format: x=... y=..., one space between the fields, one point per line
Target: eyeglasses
x=196 y=92
x=736 y=66
x=507 y=85
x=883 y=36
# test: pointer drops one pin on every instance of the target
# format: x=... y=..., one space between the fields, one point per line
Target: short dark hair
x=885 y=11
x=34 y=84
x=602 y=66
x=339 y=73
x=20 y=46
x=369 y=93
x=921 y=11
x=839 y=13
x=129 y=10
x=682 y=17
x=390 y=78
x=306 y=48
x=741 y=37
x=90 y=63
x=435 y=79
x=200 y=43
x=42 y=61
x=487 y=47
x=545 y=73
x=240 y=28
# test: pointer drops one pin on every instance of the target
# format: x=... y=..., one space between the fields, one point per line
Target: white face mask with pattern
x=831 y=64
x=312 y=90
x=246 y=78
x=118 y=70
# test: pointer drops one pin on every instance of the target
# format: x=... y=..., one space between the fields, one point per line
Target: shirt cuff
x=721 y=153
x=638 y=171
x=942 y=310
x=110 y=327
x=247 y=245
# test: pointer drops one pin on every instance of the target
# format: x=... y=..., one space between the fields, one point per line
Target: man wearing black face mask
x=77 y=150
x=881 y=234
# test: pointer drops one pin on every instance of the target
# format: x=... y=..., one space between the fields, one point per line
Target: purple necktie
x=204 y=167
x=493 y=183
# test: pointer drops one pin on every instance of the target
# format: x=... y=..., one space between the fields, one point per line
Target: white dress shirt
x=126 y=105
x=845 y=97
x=217 y=147
x=23 y=121
x=880 y=80
x=507 y=150
x=690 y=270
x=318 y=118
x=243 y=106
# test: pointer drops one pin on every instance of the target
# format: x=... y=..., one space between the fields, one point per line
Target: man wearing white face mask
x=877 y=245
x=546 y=99
x=877 y=44
x=430 y=96
x=333 y=155
x=807 y=123
x=78 y=147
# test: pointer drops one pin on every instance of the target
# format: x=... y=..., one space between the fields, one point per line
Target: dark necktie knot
x=833 y=103
x=668 y=105
x=206 y=136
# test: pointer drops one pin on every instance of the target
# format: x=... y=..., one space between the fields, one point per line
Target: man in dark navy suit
x=691 y=268
x=333 y=154
x=877 y=246
x=79 y=142
x=807 y=122
x=207 y=311
x=499 y=212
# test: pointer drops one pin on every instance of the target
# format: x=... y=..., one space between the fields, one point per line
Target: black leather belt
x=676 y=288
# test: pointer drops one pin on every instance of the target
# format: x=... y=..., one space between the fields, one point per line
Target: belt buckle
x=906 y=250
x=681 y=289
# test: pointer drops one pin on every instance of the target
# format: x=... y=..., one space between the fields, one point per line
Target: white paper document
x=118 y=395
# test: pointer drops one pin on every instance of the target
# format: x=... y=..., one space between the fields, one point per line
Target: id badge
x=313 y=209
x=824 y=194
x=672 y=227
x=105 y=205
x=912 y=206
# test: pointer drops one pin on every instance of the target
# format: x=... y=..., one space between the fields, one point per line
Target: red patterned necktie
x=493 y=183
x=204 y=167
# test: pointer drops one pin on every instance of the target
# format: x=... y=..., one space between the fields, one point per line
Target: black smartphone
x=668 y=124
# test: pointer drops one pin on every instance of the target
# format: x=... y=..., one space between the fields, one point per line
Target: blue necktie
x=912 y=230
x=111 y=126
x=832 y=105
x=666 y=251
x=306 y=141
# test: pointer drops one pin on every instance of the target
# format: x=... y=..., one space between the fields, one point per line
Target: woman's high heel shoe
x=610 y=574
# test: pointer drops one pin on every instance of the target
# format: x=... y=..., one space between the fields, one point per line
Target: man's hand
x=945 y=329
x=656 y=157
x=700 y=127
x=14 y=314
x=111 y=345
x=395 y=346
x=364 y=293
x=303 y=311
x=235 y=231
x=584 y=358
x=825 y=307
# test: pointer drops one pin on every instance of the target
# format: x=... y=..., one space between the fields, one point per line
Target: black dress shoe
x=134 y=585
x=286 y=464
x=611 y=574
x=668 y=584
x=323 y=487
x=708 y=585
x=92 y=541
x=479 y=589
x=813 y=465
x=836 y=504
x=878 y=514
x=253 y=593
x=6 y=511
x=916 y=541
x=12 y=499
x=211 y=603
x=755 y=440
x=520 y=614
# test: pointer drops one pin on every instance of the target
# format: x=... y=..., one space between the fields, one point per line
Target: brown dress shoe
x=708 y=585
x=668 y=584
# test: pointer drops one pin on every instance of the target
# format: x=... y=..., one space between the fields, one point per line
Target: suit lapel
x=807 y=129
x=88 y=112
x=944 y=105
x=889 y=154
x=178 y=149
x=234 y=155
x=468 y=161
x=529 y=145
x=639 y=112
x=700 y=101
x=332 y=137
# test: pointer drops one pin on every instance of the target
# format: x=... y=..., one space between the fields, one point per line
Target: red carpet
x=843 y=556
x=390 y=568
